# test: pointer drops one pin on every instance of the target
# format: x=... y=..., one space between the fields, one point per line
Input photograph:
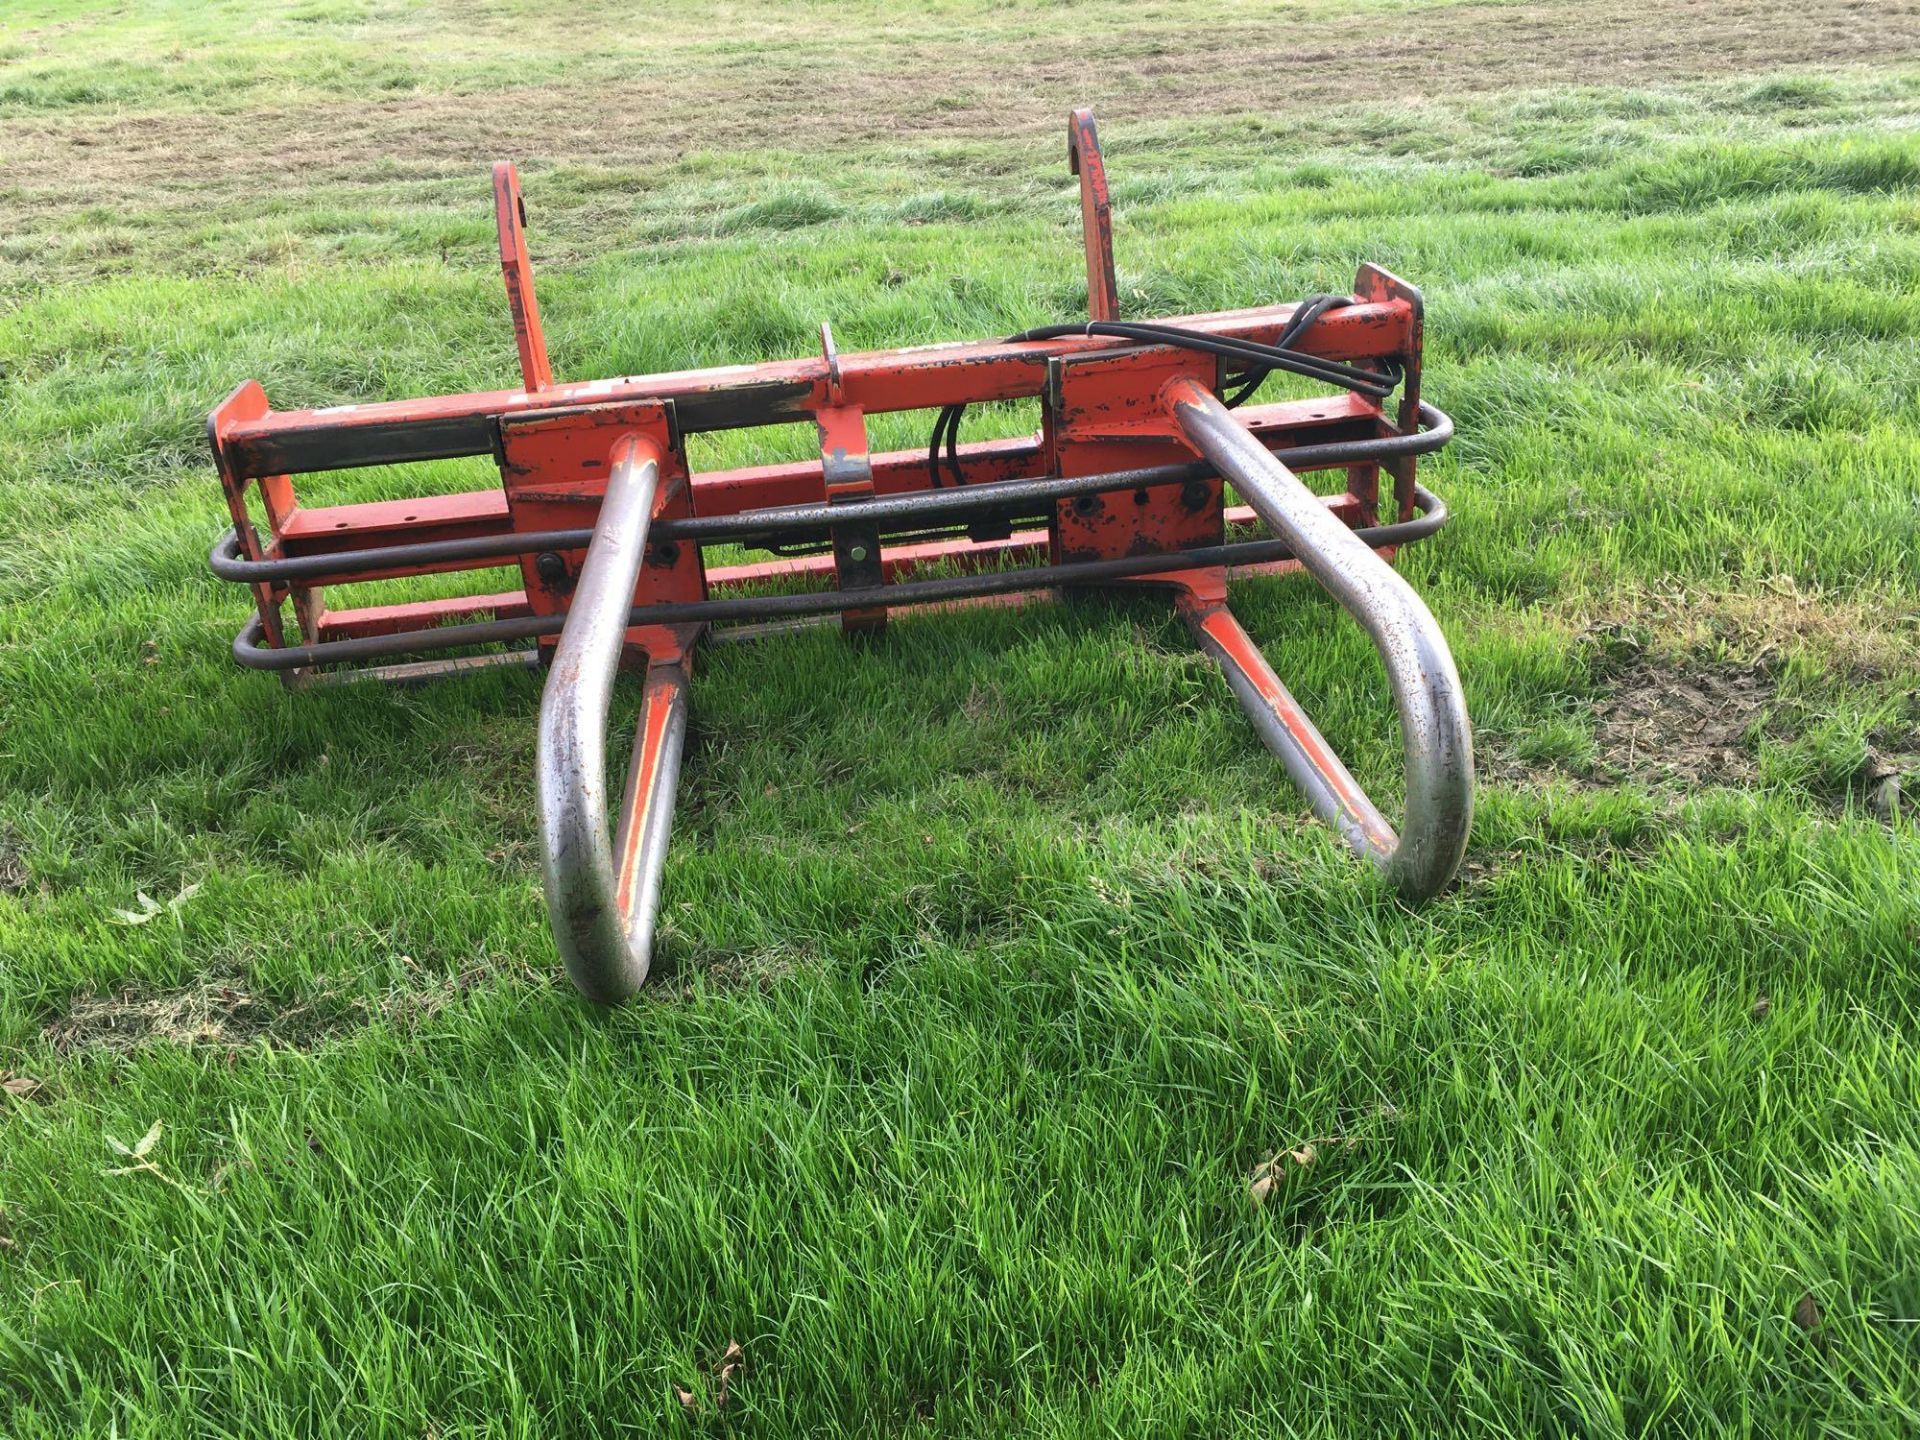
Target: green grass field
x=999 y=959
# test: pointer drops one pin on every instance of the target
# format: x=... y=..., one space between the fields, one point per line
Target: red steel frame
x=1105 y=406
x=552 y=451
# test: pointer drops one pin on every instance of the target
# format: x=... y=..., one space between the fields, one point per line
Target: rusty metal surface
x=228 y=559
x=846 y=473
x=554 y=466
x=1382 y=286
x=249 y=402
x=510 y=220
x=1096 y=215
x=734 y=396
x=1303 y=428
x=1104 y=414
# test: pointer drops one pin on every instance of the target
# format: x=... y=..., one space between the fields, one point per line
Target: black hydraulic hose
x=914 y=508
x=1259 y=361
x=1338 y=372
x=1310 y=310
x=248 y=650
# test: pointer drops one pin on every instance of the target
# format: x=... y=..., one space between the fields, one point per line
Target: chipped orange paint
x=510 y=219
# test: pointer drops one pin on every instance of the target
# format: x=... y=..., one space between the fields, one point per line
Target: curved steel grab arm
x=1434 y=730
x=601 y=894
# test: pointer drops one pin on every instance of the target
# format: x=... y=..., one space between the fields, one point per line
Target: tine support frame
x=611 y=530
x=602 y=894
x=1285 y=727
x=1435 y=733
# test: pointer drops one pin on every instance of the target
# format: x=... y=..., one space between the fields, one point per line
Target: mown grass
x=999 y=958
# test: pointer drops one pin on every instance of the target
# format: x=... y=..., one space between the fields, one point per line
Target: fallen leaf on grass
x=224 y=1172
x=19 y=1086
x=1269 y=1172
x=1806 y=1313
x=729 y=1363
x=143 y=1146
x=150 y=907
x=138 y=1153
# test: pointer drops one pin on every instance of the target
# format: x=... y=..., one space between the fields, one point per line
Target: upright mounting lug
x=1096 y=215
x=510 y=219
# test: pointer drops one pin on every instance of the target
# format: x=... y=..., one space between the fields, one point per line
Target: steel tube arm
x=602 y=894
x=1426 y=688
x=250 y=650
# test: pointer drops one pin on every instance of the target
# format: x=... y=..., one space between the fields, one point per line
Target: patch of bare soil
x=1658 y=721
x=633 y=113
x=13 y=863
x=738 y=970
x=1688 y=722
x=221 y=1014
x=1872 y=641
x=218 y=1014
x=1689 y=678
x=1687 y=725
